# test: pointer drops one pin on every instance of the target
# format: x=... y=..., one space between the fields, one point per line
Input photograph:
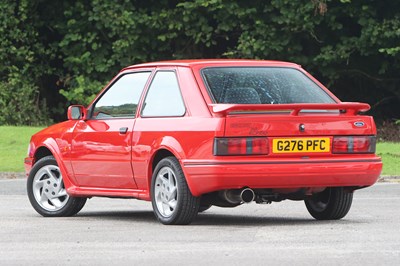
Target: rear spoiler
x=348 y=108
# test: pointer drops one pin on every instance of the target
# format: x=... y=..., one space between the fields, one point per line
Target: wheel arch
x=50 y=147
x=155 y=159
x=169 y=146
x=159 y=155
x=41 y=152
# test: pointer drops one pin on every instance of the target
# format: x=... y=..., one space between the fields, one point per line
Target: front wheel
x=330 y=204
x=172 y=201
x=46 y=191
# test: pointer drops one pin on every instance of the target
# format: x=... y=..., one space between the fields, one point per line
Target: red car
x=190 y=134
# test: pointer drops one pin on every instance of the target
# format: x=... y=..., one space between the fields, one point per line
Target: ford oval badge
x=359 y=124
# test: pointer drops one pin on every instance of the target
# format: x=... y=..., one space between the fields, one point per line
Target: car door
x=160 y=120
x=101 y=145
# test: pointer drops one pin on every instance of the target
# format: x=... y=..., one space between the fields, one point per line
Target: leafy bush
x=81 y=90
x=22 y=65
x=389 y=131
x=19 y=102
x=73 y=48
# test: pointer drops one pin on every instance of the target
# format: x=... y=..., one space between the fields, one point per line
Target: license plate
x=292 y=145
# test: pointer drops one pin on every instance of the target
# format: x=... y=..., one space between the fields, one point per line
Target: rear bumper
x=204 y=177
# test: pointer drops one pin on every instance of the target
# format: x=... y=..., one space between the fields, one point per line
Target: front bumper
x=208 y=176
x=28 y=163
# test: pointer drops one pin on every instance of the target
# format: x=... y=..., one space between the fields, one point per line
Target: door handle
x=123 y=130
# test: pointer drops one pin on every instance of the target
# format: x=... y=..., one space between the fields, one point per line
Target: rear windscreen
x=262 y=85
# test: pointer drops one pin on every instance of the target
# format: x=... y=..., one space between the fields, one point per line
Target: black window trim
x=149 y=87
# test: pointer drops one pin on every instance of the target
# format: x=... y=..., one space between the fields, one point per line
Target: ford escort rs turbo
x=191 y=134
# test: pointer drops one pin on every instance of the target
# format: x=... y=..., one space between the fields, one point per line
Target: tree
x=353 y=46
x=21 y=65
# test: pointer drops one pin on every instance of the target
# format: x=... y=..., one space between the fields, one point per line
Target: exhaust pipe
x=247 y=195
x=237 y=196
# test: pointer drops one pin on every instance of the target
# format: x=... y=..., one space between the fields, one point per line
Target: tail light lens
x=241 y=146
x=354 y=144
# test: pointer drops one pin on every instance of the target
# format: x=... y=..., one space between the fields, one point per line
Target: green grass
x=14 y=145
x=390 y=153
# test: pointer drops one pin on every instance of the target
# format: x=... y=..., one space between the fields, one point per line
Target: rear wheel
x=331 y=204
x=47 y=193
x=172 y=201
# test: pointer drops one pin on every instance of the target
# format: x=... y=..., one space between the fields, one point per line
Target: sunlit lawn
x=390 y=153
x=14 y=147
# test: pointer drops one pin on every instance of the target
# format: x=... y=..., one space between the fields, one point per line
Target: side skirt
x=107 y=192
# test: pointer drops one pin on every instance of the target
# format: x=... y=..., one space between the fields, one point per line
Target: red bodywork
x=96 y=160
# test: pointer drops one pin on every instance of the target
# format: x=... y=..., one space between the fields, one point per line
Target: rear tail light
x=241 y=146
x=354 y=144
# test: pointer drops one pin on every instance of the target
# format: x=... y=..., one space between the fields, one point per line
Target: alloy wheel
x=166 y=191
x=48 y=188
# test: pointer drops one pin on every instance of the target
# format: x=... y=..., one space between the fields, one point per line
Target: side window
x=122 y=98
x=164 y=97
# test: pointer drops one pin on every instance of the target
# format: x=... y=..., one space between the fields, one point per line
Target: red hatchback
x=187 y=135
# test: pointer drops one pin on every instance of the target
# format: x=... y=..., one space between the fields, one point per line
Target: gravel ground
x=12 y=175
x=125 y=232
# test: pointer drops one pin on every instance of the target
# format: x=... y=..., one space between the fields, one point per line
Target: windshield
x=262 y=85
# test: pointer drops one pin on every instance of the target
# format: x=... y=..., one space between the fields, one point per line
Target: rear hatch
x=298 y=130
x=283 y=111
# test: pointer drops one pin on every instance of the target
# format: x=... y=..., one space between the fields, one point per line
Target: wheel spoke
x=43 y=198
x=62 y=193
x=56 y=202
x=163 y=179
x=171 y=179
x=60 y=186
x=172 y=193
x=169 y=172
x=172 y=204
x=51 y=175
x=157 y=191
x=166 y=208
x=38 y=184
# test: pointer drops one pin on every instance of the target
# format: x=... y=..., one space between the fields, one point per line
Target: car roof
x=199 y=63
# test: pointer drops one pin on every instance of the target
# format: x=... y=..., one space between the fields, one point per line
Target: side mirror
x=76 y=112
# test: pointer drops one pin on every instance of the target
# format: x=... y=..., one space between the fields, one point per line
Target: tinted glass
x=164 y=96
x=251 y=85
x=122 y=98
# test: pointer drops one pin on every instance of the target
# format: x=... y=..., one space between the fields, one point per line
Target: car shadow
x=246 y=220
x=212 y=219
x=143 y=216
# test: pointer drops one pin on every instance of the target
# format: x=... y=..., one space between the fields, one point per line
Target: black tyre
x=79 y=206
x=331 y=204
x=172 y=201
x=46 y=191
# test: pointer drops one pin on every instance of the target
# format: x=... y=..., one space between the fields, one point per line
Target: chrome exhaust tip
x=247 y=195
x=238 y=196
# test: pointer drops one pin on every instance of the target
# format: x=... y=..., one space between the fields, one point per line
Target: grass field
x=14 y=147
x=14 y=144
x=390 y=153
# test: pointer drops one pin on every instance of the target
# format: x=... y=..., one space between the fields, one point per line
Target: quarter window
x=122 y=98
x=164 y=96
